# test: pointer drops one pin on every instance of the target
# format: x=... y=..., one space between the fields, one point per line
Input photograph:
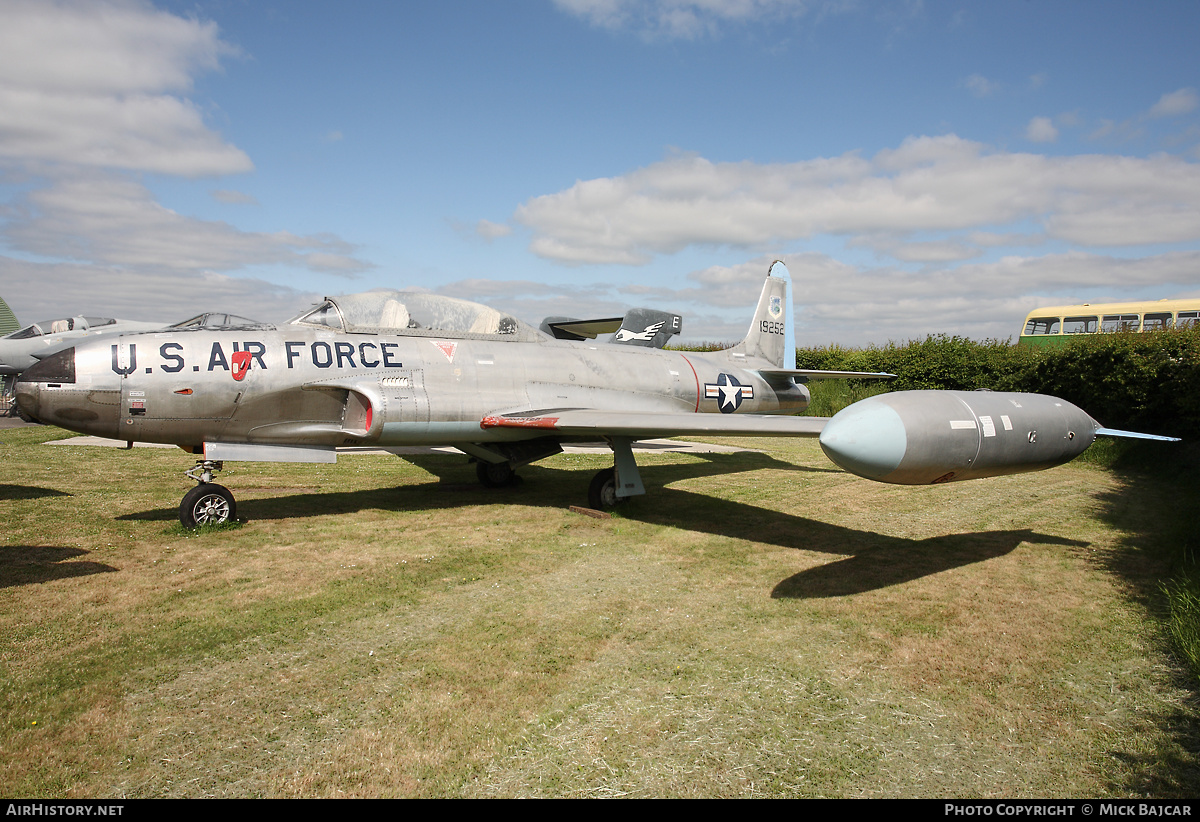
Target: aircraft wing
x=577 y=422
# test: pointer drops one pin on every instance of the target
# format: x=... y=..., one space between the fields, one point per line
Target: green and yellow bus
x=1056 y=324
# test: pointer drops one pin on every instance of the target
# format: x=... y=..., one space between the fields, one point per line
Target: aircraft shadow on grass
x=871 y=560
x=29 y=492
x=538 y=485
x=31 y=564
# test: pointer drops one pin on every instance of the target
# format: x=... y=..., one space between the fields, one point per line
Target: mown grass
x=760 y=624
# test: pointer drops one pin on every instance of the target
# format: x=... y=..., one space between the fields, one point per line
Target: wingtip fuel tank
x=928 y=437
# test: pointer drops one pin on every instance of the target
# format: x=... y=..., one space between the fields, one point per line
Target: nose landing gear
x=208 y=503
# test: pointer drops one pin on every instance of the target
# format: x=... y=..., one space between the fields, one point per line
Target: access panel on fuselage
x=166 y=379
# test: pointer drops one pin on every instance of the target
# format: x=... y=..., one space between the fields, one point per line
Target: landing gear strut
x=208 y=503
x=616 y=485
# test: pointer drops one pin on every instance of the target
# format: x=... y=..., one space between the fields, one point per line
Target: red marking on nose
x=241 y=364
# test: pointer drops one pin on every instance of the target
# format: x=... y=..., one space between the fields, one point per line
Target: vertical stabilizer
x=648 y=328
x=772 y=334
x=8 y=320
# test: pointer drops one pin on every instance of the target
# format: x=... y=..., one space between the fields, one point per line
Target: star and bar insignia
x=728 y=393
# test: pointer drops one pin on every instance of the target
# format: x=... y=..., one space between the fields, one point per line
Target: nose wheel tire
x=602 y=493
x=207 y=504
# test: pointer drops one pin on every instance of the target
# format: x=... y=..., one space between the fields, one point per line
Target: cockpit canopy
x=215 y=321
x=60 y=326
x=413 y=313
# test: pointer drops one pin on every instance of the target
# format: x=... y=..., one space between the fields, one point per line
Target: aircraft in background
x=392 y=368
x=21 y=349
x=8 y=320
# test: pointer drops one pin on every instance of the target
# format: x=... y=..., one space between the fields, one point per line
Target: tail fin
x=772 y=335
x=8 y=320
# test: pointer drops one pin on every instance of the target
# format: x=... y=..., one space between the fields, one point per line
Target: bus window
x=1187 y=319
x=1120 y=322
x=1156 y=322
x=1079 y=325
x=1042 y=325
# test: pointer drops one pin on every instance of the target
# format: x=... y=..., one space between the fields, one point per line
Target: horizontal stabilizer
x=1133 y=435
x=582 y=422
x=568 y=328
x=805 y=374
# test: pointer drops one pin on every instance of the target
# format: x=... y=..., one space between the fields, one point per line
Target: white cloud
x=685 y=19
x=38 y=290
x=491 y=231
x=103 y=47
x=231 y=197
x=1041 y=130
x=937 y=251
x=938 y=184
x=1175 y=103
x=88 y=83
x=110 y=219
x=93 y=93
x=980 y=86
x=837 y=302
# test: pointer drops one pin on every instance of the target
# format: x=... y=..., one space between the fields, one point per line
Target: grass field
x=760 y=624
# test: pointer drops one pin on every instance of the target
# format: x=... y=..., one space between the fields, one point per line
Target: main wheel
x=495 y=474
x=602 y=493
x=207 y=504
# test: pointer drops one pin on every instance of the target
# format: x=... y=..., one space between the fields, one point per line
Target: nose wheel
x=208 y=503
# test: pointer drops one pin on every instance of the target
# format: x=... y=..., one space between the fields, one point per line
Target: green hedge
x=1144 y=382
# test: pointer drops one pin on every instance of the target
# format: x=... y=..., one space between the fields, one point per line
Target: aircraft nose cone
x=57 y=369
x=867 y=438
x=26 y=394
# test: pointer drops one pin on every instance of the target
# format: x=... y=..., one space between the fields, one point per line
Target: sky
x=921 y=167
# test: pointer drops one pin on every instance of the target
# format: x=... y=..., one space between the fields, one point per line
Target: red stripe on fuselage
x=697 y=378
x=519 y=422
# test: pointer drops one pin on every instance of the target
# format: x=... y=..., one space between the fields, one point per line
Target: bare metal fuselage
x=312 y=387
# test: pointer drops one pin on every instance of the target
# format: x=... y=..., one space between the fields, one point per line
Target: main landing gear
x=495 y=468
x=208 y=503
x=614 y=486
x=602 y=493
x=496 y=474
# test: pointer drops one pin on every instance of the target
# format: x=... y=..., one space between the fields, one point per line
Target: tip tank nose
x=867 y=438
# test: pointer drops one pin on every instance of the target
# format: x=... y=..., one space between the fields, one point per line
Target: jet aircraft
x=392 y=368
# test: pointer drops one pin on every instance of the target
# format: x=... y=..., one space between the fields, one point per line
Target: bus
x=1056 y=324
